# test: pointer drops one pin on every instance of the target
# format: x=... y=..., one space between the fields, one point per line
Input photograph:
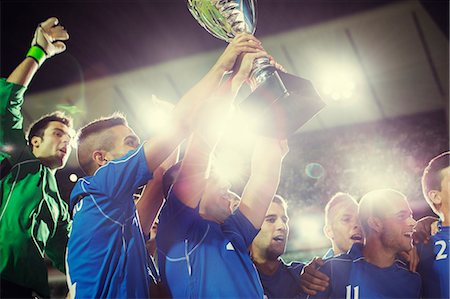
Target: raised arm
x=152 y=198
x=186 y=112
x=48 y=41
x=193 y=174
x=262 y=185
x=48 y=37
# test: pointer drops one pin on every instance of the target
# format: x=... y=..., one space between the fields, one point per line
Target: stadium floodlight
x=157 y=116
x=338 y=85
x=73 y=177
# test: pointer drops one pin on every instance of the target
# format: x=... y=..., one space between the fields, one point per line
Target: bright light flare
x=309 y=231
x=377 y=166
x=228 y=166
x=338 y=85
x=233 y=153
x=157 y=115
x=379 y=180
x=314 y=170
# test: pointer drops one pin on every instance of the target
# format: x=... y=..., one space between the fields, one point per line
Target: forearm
x=186 y=110
x=150 y=203
x=259 y=192
x=24 y=72
x=267 y=159
x=191 y=180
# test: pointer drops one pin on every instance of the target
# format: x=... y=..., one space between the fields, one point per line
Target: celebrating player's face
x=344 y=228
x=125 y=141
x=444 y=193
x=271 y=239
x=398 y=226
x=220 y=201
x=53 y=148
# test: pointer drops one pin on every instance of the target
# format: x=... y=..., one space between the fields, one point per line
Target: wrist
x=237 y=81
x=220 y=69
x=37 y=53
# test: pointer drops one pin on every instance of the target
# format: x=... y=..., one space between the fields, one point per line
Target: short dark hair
x=38 y=127
x=86 y=146
x=101 y=124
x=432 y=176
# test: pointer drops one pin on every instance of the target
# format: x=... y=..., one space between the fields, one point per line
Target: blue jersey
x=434 y=265
x=284 y=283
x=198 y=258
x=352 y=277
x=106 y=254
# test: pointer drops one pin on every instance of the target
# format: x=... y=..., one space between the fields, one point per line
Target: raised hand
x=50 y=36
x=424 y=229
x=242 y=43
x=243 y=66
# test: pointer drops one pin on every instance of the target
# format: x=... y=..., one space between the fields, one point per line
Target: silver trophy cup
x=282 y=102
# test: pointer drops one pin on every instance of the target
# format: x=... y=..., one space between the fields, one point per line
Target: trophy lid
x=225 y=18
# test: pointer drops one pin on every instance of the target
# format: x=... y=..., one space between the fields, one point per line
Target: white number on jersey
x=77 y=207
x=348 y=292
x=441 y=255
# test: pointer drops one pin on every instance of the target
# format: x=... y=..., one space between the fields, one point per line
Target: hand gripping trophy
x=282 y=102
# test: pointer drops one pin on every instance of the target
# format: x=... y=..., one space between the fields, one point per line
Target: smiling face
x=270 y=242
x=53 y=148
x=387 y=220
x=397 y=226
x=343 y=228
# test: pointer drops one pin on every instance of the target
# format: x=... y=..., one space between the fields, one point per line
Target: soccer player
x=434 y=264
x=342 y=224
x=106 y=251
x=372 y=270
x=33 y=218
x=204 y=233
x=342 y=228
x=279 y=280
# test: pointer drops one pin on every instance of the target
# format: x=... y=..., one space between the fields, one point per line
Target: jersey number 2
x=441 y=255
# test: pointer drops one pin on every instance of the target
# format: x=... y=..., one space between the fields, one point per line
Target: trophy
x=281 y=102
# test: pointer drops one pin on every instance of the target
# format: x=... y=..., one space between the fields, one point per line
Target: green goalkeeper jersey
x=34 y=220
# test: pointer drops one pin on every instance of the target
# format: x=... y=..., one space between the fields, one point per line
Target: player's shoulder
x=294 y=264
x=442 y=234
x=343 y=258
x=340 y=262
x=403 y=268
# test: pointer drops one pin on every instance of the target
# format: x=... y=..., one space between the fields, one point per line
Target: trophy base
x=278 y=109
